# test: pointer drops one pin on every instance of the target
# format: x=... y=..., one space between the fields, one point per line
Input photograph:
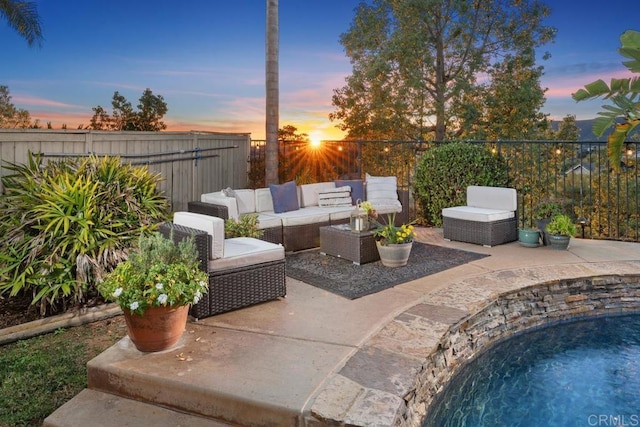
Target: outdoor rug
x=342 y=277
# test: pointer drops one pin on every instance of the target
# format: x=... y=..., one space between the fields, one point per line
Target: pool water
x=582 y=373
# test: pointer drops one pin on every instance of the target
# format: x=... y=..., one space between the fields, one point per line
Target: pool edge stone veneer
x=393 y=377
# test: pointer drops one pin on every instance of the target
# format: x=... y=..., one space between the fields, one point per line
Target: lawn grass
x=40 y=374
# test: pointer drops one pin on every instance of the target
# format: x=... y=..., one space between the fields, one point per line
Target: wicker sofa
x=299 y=229
x=242 y=271
x=489 y=218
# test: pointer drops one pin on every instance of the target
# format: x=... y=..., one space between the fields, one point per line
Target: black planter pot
x=542 y=226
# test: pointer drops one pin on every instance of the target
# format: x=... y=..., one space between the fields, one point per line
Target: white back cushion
x=246 y=201
x=264 y=202
x=492 y=197
x=218 y=198
x=382 y=190
x=214 y=226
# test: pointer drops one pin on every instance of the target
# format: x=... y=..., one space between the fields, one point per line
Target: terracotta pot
x=159 y=328
x=394 y=255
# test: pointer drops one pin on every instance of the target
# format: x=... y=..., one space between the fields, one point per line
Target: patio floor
x=313 y=358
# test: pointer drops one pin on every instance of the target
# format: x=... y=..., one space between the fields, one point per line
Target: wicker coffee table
x=341 y=242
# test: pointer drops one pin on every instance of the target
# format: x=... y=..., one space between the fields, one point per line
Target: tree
x=289 y=133
x=511 y=104
x=568 y=130
x=23 y=17
x=416 y=64
x=10 y=116
x=272 y=93
x=151 y=110
x=296 y=161
x=624 y=115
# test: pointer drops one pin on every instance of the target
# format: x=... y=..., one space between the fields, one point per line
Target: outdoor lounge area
x=315 y=358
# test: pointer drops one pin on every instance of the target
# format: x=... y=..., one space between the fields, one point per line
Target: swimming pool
x=580 y=373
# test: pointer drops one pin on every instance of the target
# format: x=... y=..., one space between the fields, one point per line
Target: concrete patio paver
x=341 y=360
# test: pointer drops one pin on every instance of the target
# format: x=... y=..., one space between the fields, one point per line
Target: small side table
x=341 y=242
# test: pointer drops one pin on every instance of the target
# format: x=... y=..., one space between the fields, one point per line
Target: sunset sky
x=206 y=58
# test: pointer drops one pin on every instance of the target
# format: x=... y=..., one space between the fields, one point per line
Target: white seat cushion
x=339 y=212
x=214 y=226
x=303 y=216
x=266 y=220
x=244 y=251
x=472 y=213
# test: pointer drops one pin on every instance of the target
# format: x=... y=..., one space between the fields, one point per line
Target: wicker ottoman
x=341 y=242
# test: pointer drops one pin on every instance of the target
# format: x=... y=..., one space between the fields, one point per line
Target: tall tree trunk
x=272 y=94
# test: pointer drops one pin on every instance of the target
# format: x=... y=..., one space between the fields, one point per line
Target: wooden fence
x=190 y=163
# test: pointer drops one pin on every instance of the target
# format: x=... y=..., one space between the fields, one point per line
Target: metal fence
x=604 y=204
x=577 y=174
x=190 y=163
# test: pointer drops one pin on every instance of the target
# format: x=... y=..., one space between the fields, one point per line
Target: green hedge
x=444 y=172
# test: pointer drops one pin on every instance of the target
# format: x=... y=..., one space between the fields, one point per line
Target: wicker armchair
x=489 y=218
x=251 y=271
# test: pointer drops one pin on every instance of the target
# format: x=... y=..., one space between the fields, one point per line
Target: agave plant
x=623 y=93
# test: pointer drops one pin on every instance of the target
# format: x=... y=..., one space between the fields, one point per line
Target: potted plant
x=393 y=242
x=155 y=287
x=560 y=230
x=529 y=237
x=543 y=212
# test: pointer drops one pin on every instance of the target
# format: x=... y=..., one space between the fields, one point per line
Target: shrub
x=246 y=227
x=444 y=172
x=561 y=224
x=65 y=224
x=547 y=209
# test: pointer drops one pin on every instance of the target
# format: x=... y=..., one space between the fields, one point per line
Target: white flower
x=162 y=298
x=159 y=286
x=197 y=297
x=133 y=305
x=202 y=284
x=117 y=292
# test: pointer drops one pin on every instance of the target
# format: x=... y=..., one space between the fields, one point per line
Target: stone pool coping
x=395 y=374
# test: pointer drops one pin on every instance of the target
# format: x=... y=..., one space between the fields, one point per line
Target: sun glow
x=316 y=139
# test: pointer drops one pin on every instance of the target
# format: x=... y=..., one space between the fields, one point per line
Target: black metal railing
x=577 y=174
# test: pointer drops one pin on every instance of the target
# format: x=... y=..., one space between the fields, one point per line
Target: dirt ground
x=18 y=310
